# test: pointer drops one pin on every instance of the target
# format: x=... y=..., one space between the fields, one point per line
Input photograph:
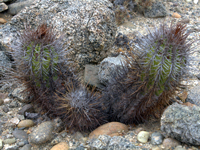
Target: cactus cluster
x=142 y=87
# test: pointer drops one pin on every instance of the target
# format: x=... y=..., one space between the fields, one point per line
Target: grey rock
x=42 y=133
x=108 y=67
x=2 y=48
x=20 y=144
x=26 y=147
x=20 y=134
x=15 y=8
x=89 y=26
x=156 y=10
x=4 y=62
x=193 y=95
x=118 y=142
x=32 y=116
x=101 y=142
x=182 y=123
x=2 y=97
x=5 y=109
x=91 y=75
x=156 y=138
x=26 y=108
x=58 y=125
x=20 y=94
x=13 y=104
x=3 y=7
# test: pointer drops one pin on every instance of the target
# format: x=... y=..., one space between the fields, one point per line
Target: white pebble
x=7 y=100
x=14 y=120
x=143 y=136
x=188 y=1
x=196 y=1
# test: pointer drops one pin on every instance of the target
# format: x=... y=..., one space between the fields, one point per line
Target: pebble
x=26 y=108
x=179 y=148
x=9 y=141
x=156 y=138
x=196 y=1
x=176 y=15
x=185 y=21
x=111 y=129
x=143 y=136
x=1 y=102
x=3 y=7
x=7 y=100
x=25 y=123
x=188 y=1
x=42 y=133
x=26 y=147
x=1 y=144
x=169 y=142
x=2 y=95
x=20 y=134
x=156 y=148
x=2 y=20
x=14 y=120
x=101 y=142
x=5 y=109
x=20 y=144
x=12 y=147
x=61 y=146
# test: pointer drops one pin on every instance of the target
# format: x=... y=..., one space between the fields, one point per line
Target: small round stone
x=61 y=146
x=169 y=142
x=176 y=15
x=179 y=147
x=42 y=133
x=14 y=120
x=111 y=129
x=2 y=20
x=25 y=123
x=156 y=138
x=9 y=141
x=143 y=136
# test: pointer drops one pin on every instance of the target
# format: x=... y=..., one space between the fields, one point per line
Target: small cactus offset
x=151 y=78
x=81 y=109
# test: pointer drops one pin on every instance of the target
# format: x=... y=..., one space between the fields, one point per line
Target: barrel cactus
x=41 y=64
x=151 y=76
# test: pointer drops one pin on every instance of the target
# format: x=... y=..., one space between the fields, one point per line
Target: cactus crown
x=164 y=57
x=40 y=55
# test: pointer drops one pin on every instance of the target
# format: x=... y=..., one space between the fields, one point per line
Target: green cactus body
x=158 y=62
x=43 y=63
